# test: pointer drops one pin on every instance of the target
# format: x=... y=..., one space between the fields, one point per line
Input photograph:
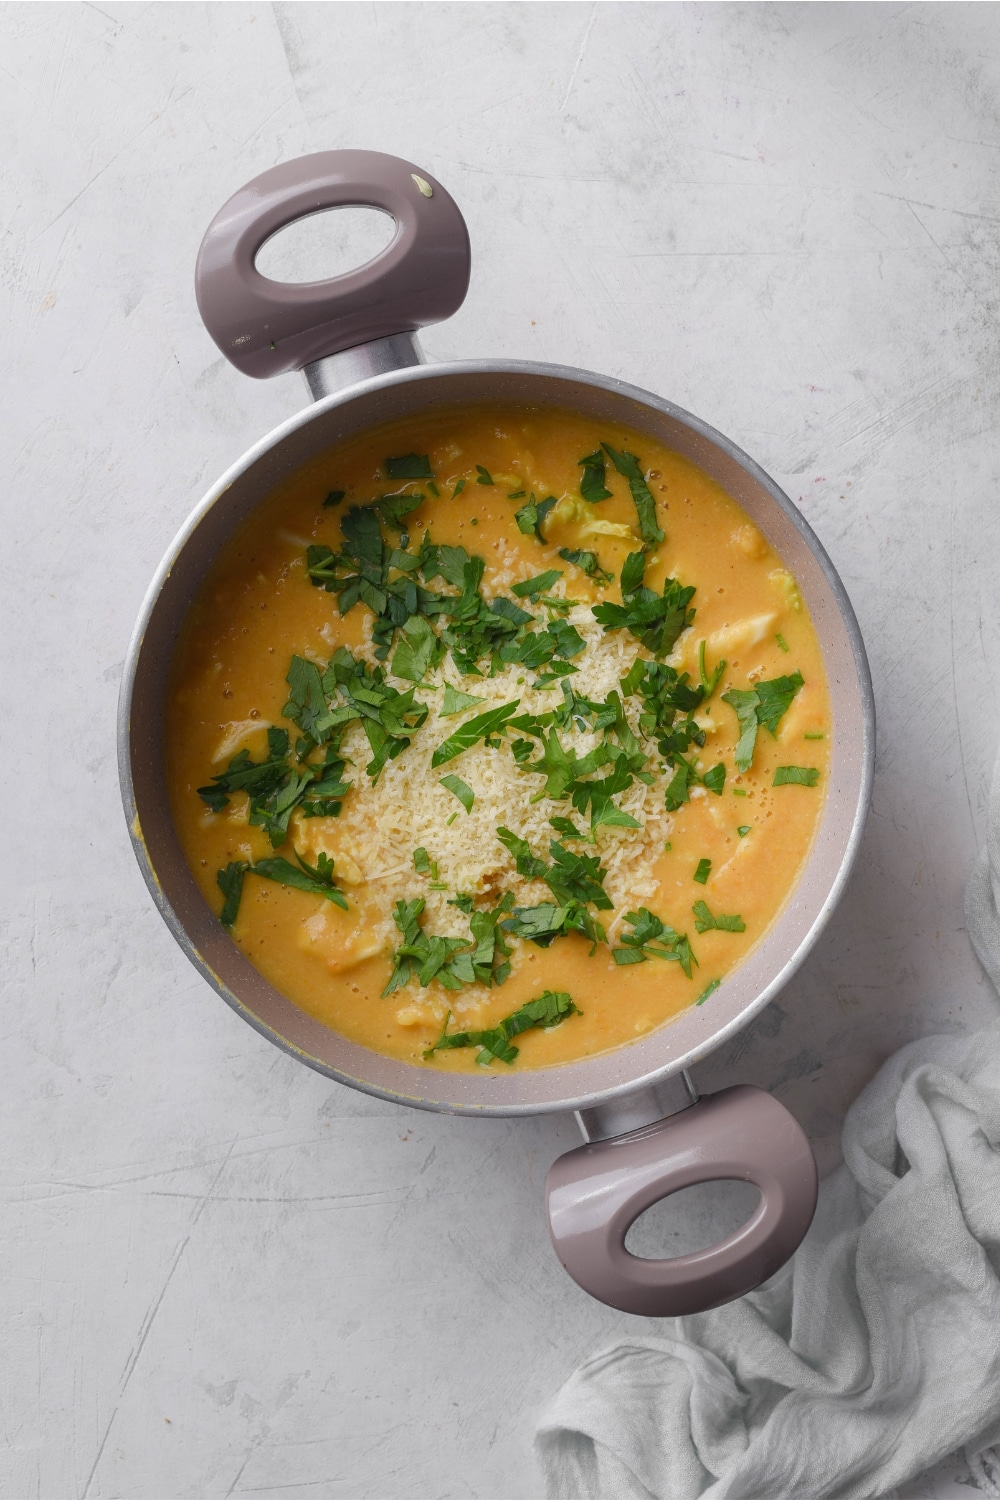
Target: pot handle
x=596 y=1193
x=267 y=327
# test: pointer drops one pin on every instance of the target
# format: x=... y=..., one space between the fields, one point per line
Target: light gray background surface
x=220 y=1274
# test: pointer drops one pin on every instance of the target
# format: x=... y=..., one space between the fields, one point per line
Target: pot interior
x=655 y=1055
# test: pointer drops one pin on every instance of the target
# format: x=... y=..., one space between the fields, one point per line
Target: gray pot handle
x=268 y=327
x=597 y=1192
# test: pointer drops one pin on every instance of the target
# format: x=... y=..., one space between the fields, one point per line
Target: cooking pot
x=647 y=1132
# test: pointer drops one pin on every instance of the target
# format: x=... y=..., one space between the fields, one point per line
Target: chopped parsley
x=460 y=486
x=531 y=588
x=710 y=989
x=392 y=508
x=451 y=961
x=316 y=881
x=530 y=517
x=418 y=651
x=461 y=790
x=704 y=921
x=548 y=1010
x=421 y=861
x=333 y=498
x=570 y=876
x=709 y=683
x=703 y=871
x=456 y=702
x=230 y=883
x=567 y=828
x=388 y=717
x=743 y=830
x=525 y=862
x=654 y=619
x=542 y=924
x=715 y=779
x=592 y=486
x=483 y=726
x=280 y=784
x=587 y=562
x=766 y=704
x=409 y=466
x=795 y=776
x=483 y=475
x=628 y=465
x=652 y=938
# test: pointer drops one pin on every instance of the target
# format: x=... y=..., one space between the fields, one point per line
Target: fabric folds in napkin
x=875 y=1353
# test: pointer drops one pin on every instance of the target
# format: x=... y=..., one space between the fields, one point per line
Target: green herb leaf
x=453 y=962
x=275 y=786
x=542 y=924
x=703 y=871
x=652 y=938
x=307 y=707
x=530 y=517
x=795 y=776
x=548 y=1010
x=230 y=883
x=765 y=704
x=456 y=702
x=527 y=864
x=592 y=486
x=393 y=508
x=333 y=498
x=460 y=486
x=709 y=683
x=493 y=721
x=715 y=779
x=484 y=475
x=421 y=861
x=633 y=572
x=744 y=704
x=781 y=641
x=704 y=921
x=679 y=790
x=743 y=830
x=710 y=989
x=628 y=465
x=587 y=562
x=654 y=619
x=461 y=790
x=409 y=466
x=814 y=736
x=776 y=699
x=316 y=881
x=540 y=584
x=577 y=877
x=567 y=828
x=418 y=651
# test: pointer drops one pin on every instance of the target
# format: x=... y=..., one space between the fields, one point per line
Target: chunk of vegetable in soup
x=498 y=738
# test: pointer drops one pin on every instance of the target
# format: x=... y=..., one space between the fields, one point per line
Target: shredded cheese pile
x=380 y=826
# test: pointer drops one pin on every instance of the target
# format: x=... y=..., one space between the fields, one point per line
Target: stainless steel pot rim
x=529 y=370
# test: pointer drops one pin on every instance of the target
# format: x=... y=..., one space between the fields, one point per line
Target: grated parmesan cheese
x=408 y=808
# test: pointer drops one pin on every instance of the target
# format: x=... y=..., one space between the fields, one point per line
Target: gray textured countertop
x=223 y=1275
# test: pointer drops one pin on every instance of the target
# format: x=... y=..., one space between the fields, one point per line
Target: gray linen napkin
x=875 y=1353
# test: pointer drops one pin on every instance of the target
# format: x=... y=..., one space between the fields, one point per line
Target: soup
x=497 y=737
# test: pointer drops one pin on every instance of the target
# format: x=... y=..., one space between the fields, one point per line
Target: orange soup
x=497 y=738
